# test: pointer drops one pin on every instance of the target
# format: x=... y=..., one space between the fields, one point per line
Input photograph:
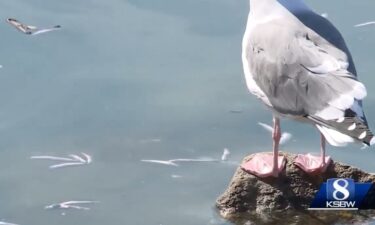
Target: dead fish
x=61 y=165
x=164 y=162
x=365 y=24
x=88 y=157
x=236 y=111
x=74 y=160
x=70 y=205
x=285 y=136
x=6 y=223
x=225 y=155
x=174 y=162
x=77 y=158
x=52 y=158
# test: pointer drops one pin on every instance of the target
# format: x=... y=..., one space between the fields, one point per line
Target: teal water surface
x=126 y=80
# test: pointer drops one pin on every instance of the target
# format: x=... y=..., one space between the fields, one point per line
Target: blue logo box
x=340 y=194
x=340 y=189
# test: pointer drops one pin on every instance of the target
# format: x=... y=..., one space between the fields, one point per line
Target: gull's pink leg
x=276 y=136
x=266 y=164
x=323 y=151
x=314 y=164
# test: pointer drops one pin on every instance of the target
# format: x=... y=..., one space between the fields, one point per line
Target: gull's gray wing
x=299 y=71
x=304 y=74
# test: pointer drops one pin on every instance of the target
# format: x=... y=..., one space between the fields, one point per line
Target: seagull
x=70 y=205
x=297 y=63
x=30 y=30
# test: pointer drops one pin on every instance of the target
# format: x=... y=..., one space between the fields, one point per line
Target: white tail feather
x=334 y=137
x=372 y=142
x=359 y=91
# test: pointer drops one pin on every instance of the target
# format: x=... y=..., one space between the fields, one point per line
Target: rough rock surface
x=284 y=200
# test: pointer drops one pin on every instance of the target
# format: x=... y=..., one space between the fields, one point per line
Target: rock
x=284 y=200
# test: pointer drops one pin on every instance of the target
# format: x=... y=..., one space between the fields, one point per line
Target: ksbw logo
x=340 y=194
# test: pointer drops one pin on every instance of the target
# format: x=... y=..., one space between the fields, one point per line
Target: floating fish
x=266 y=127
x=61 y=165
x=88 y=157
x=30 y=30
x=52 y=158
x=74 y=160
x=365 y=24
x=195 y=160
x=285 y=136
x=42 y=31
x=236 y=111
x=6 y=223
x=70 y=205
x=173 y=162
x=164 y=162
x=77 y=158
x=225 y=155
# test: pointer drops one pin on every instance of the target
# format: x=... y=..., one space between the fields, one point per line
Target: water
x=131 y=80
